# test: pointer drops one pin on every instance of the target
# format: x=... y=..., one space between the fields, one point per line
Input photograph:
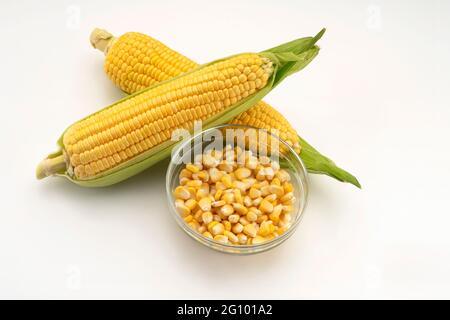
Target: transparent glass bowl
x=289 y=160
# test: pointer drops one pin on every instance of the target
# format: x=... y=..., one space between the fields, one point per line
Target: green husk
x=315 y=162
x=288 y=58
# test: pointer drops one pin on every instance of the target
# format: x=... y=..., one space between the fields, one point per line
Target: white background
x=376 y=100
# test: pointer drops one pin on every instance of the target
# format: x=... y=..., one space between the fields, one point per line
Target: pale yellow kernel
x=288 y=208
x=271 y=197
x=288 y=196
x=227 y=225
x=231 y=236
x=201 y=229
x=207 y=217
x=275 y=214
x=183 y=210
x=226 y=210
x=208 y=235
x=184 y=173
x=218 y=203
x=205 y=204
x=256 y=202
x=254 y=193
x=194 y=225
x=265 y=190
x=221 y=238
x=217 y=218
x=228 y=197
x=182 y=192
x=218 y=228
x=234 y=218
x=242 y=173
x=258 y=240
x=283 y=175
x=262 y=218
x=266 y=228
x=192 y=168
x=194 y=183
x=218 y=194
x=237 y=228
x=251 y=216
x=242 y=238
x=240 y=185
x=238 y=196
x=288 y=187
x=250 y=230
x=276 y=190
x=241 y=209
x=243 y=221
x=226 y=180
x=266 y=206
x=247 y=201
x=215 y=174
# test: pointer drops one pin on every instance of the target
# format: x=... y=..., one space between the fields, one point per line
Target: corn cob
x=134 y=133
x=135 y=61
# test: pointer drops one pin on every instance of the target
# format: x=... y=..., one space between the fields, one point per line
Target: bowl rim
x=211 y=242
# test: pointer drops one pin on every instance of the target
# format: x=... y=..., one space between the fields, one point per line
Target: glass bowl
x=288 y=159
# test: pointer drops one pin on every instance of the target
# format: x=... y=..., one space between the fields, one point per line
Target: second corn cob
x=134 y=133
x=135 y=61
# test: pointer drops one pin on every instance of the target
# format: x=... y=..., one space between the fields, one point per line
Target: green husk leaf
x=287 y=59
x=315 y=162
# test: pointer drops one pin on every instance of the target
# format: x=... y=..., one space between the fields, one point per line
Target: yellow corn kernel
x=221 y=238
x=191 y=204
x=192 y=168
x=185 y=173
x=247 y=201
x=228 y=197
x=226 y=210
x=182 y=192
x=207 y=217
x=194 y=183
x=251 y=216
x=205 y=204
x=240 y=208
x=262 y=218
x=243 y=221
x=231 y=236
x=250 y=230
x=242 y=238
x=217 y=229
x=288 y=196
x=194 y=224
x=276 y=190
x=258 y=240
x=227 y=225
x=254 y=193
x=266 y=228
x=218 y=195
x=242 y=173
x=275 y=214
x=283 y=176
x=215 y=175
x=237 y=228
x=234 y=218
x=266 y=206
x=188 y=218
x=226 y=180
x=238 y=196
x=207 y=234
x=219 y=203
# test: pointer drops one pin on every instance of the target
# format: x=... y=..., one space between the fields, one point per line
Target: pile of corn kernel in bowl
x=235 y=197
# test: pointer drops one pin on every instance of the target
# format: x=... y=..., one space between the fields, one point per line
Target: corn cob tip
x=102 y=40
x=50 y=166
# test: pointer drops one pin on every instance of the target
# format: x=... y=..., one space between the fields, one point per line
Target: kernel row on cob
x=135 y=61
x=127 y=137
